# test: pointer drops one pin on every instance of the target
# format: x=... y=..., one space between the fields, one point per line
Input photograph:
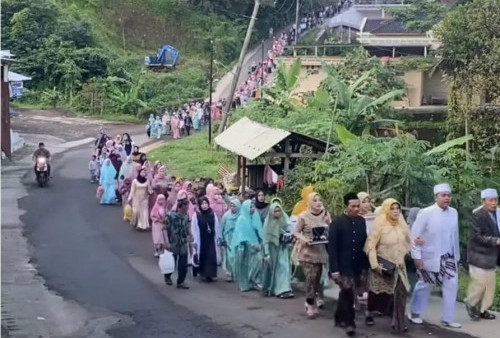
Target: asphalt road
x=86 y=253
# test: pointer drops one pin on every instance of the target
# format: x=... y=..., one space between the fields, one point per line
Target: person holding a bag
x=178 y=238
x=386 y=248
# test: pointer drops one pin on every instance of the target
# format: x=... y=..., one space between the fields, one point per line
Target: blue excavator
x=167 y=58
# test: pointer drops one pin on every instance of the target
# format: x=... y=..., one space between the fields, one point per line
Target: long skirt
x=312 y=273
x=276 y=272
x=140 y=213
x=158 y=238
x=228 y=256
x=247 y=267
x=109 y=196
x=391 y=305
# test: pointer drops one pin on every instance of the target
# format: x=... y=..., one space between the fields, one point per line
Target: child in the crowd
x=93 y=169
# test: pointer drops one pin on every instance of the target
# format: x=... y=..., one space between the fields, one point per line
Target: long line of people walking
x=261 y=248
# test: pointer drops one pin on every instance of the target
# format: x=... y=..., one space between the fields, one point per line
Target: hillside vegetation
x=88 y=54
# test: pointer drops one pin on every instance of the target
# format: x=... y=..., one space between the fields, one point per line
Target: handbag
x=388 y=268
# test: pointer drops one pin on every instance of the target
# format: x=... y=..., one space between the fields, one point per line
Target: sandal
x=286 y=295
x=487 y=315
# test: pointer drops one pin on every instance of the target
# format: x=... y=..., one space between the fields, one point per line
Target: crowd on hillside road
x=260 y=247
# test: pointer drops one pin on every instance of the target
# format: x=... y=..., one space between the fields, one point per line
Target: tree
x=282 y=90
x=421 y=15
x=468 y=56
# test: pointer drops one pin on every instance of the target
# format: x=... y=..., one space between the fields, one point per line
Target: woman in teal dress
x=228 y=224
x=150 y=127
x=246 y=245
x=107 y=181
x=196 y=122
x=276 y=277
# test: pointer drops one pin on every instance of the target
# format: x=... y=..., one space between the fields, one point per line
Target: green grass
x=192 y=157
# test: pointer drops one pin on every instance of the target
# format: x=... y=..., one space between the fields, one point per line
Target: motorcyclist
x=42 y=151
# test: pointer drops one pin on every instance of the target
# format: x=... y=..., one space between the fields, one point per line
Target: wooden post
x=238 y=172
x=288 y=151
x=243 y=174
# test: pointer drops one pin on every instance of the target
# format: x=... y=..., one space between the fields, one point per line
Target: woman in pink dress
x=188 y=187
x=159 y=186
x=215 y=199
x=172 y=197
x=158 y=217
x=176 y=124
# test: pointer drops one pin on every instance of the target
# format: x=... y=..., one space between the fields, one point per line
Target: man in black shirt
x=348 y=261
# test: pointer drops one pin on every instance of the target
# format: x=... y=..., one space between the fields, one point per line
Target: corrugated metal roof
x=250 y=139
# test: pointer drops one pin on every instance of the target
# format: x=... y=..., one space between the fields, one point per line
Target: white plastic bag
x=166 y=262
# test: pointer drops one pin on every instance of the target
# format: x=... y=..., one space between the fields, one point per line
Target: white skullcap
x=444 y=187
x=489 y=193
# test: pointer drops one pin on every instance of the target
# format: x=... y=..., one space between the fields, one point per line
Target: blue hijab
x=248 y=227
x=108 y=172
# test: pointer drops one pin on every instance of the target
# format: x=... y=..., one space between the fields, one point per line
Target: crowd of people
x=260 y=247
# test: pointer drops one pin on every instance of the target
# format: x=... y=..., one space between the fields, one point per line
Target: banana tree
x=352 y=110
x=285 y=82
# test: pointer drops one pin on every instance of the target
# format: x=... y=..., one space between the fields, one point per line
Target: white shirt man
x=437 y=259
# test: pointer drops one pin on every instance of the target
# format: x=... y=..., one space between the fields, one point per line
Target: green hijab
x=229 y=214
x=273 y=228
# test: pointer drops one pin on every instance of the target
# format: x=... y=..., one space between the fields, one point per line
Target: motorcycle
x=41 y=171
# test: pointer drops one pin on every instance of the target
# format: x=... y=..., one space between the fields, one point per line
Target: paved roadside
x=482 y=329
x=29 y=309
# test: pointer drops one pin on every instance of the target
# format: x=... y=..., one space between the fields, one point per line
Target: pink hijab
x=215 y=200
x=172 y=197
x=159 y=209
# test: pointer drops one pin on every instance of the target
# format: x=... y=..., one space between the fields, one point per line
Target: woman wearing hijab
x=116 y=161
x=215 y=199
x=301 y=205
x=261 y=206
x=312 y=257
x=389 y=242
x=150 y=127
x=107 y=181
x=366 y=210
x=175 y=122
x=126 y=170
x=124 y=190
x=121 y=153
x=127 y=144
x=139 y=198
x=276 y=279
x=228 y=223
x=158 y=214
x=246 y=246
x=188 y=187
x=159 y=186
x=172 y=197
x=158 y=127
x=206 y=234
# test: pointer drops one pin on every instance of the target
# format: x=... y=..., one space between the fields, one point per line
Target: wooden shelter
x=255 y=142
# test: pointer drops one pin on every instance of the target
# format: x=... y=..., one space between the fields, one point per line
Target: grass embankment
x=192 y=157
x=464 y=283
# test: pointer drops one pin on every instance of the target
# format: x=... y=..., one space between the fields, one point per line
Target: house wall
x=418 y=83
x=414 y=81
x=435 y=89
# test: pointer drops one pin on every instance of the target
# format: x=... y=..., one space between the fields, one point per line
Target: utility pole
x=297 y=23
x=234 y=84
x=211 y=83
